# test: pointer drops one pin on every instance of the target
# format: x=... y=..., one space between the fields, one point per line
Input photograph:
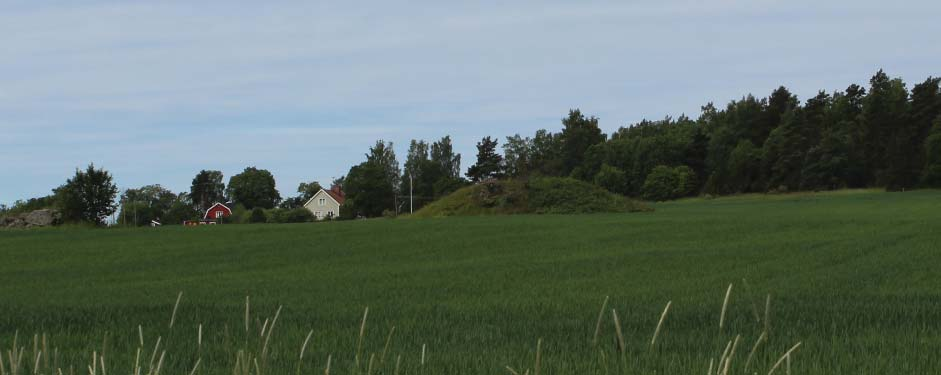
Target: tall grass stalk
x=761 y=339
x=722 y=357
x=36 y=364
x=247 y=308
x=264 y=348
x=359 y=341
x=422 y=363
x=594 y=340
x=385 y=349
x=196 y=366
x=153 y=355
x=725 y=306
x=768 y=313
x=783 y=358
x=728 y=359
x=300 y=358
x=617 y=330
x=537 y=367
x=175 y=307
x=663 y=317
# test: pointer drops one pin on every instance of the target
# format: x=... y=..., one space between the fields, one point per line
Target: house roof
x=336 y=195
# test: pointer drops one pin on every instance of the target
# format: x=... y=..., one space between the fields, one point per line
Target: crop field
x=852 y=276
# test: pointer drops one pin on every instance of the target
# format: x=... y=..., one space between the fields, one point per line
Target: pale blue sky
x=156 y=91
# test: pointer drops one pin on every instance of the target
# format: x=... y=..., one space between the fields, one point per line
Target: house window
x=329 y=213
x=218 y=214
x=318 y=214
x=323 y=201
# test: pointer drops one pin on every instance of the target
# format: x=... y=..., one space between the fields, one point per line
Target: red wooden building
x=217 y=211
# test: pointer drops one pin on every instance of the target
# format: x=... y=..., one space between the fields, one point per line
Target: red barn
x=217 y=211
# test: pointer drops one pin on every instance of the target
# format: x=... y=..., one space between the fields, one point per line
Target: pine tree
x=884 y=130
x=489 y=163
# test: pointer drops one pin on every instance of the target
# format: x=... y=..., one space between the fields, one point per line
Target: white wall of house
x=322 y=205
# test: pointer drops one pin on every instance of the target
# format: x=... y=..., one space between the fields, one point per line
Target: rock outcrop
x=39 y=218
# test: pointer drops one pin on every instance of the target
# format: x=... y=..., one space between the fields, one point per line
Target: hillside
x=851 y=276
x=538 y=195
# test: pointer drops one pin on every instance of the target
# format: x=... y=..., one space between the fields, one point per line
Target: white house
x=326 y=203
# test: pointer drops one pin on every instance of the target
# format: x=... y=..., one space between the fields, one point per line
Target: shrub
x=294 y=215
x=258 y=216
x=240 y=215
x=688 y=183
x=611 y=178
x=661 y=184
x=665 y=183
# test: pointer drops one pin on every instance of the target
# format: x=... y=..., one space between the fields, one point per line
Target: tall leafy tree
x=884 y=113
x=783 y=153
x=207 y=188
x=744 y=168
x=368 y=191
x=931 y=177
x=305 y=191
x=846 y=116
x=827 y=165
x=383 y=156
x=142 y=205
x=180 y=210
x=416 y=164
x=578 y=134
x=254 y=188
x=88 y=196
x=748 y=119
x=907 y=156
x=517 y=155
x=489 y=162
x=780 y=101
x=371 y=186
x=547 y=156
x=442 y=153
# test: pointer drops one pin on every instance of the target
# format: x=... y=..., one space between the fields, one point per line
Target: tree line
x=882 y=136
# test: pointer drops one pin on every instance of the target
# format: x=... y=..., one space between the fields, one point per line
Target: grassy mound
x=542 y=195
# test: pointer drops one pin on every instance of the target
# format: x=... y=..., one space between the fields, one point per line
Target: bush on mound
x=538 y=195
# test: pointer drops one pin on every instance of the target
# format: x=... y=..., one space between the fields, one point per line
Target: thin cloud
x=144 y=88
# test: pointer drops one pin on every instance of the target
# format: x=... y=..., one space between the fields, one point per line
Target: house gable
x=217 y=207
x=321 y=194
x=329 y=207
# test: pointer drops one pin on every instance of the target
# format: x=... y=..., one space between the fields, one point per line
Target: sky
x=154 y=92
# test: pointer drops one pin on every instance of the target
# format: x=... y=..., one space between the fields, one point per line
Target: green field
x=852 y=275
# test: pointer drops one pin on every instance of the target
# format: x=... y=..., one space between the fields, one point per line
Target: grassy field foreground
x=853 y=276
